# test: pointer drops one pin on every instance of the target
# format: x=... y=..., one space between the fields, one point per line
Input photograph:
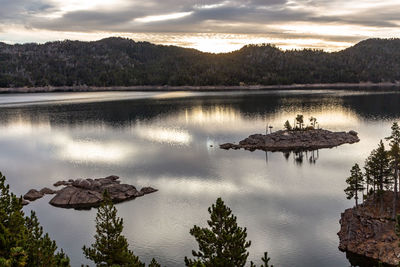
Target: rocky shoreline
x=149 y=88
x=368 y=232
x=87 y=193
x=295 y=140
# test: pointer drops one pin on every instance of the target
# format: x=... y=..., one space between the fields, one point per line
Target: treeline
x=23 y=242
x=123 y=62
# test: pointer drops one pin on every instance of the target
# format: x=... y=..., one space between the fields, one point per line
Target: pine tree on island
x=300 y=121
x=287 y=126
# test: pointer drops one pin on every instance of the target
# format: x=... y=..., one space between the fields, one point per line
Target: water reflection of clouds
x=163 y=134
x=91 y=150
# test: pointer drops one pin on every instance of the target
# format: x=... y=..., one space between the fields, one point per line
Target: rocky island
x=369 y=231
x=87 y=193
x=295 y=140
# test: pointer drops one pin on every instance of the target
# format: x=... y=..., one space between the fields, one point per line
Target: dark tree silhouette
x=355 y=182
x=223 y=243
x=110 y=247
x=22 y=240
x=394 y=155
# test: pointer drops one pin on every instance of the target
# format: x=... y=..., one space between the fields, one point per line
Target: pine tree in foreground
x=110 y=247
x=22 y=241
x=224 y=243
x=265 y=261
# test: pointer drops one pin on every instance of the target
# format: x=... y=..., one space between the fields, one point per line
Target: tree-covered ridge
x=124 y=62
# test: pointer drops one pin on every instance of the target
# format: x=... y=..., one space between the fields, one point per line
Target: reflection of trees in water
x=300 y=156
x=252 y=105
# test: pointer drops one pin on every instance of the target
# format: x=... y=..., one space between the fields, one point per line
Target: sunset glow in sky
x=212 y=26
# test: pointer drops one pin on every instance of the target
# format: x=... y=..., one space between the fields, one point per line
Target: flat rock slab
x=88 y=193
x=296 y=140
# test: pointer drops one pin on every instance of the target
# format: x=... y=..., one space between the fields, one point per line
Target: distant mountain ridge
x=124 y=62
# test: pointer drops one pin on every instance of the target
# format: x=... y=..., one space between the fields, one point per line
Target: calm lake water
x=290 y=204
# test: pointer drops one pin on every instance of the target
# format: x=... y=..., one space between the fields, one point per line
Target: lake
x=289 y=203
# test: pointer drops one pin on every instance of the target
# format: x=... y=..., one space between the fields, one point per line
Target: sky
x=210 y=26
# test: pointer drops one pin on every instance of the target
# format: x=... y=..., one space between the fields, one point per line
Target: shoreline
x=149 y=88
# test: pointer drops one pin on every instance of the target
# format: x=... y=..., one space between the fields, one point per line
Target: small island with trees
x=297 y=138
x=372 y=228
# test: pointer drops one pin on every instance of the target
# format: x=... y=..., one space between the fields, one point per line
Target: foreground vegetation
x=22 y=240
x=23 y=243
x=123 y=62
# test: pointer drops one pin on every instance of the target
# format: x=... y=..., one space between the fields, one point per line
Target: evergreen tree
x=223 y=244
x=395 y=134
x=154 y=263
x=380 y=170
x=265 y=261
x=40 y=247
x=22 y=242
x=368 y=178
x=355 y=182
x=394 y=154
x=12 y=227
x=110 y=247
x=287 y=126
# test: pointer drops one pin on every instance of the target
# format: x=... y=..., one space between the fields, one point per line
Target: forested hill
x=123 y=62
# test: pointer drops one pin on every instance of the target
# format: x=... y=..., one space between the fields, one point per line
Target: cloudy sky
x=212 y=26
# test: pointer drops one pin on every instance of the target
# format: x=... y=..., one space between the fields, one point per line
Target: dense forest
x=124 y=62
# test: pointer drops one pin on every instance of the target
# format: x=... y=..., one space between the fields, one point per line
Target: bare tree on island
x=300 y=120
x=313 y=121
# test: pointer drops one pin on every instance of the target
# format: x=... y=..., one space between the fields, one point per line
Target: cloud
x=15 y=10
x=279 y=19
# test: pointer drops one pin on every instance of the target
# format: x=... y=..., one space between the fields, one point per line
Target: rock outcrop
x=298 y=140
x=87 y=193
x=32 y=195
x=369 y=231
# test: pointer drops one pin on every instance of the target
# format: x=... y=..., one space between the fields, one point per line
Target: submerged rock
x=369 y=231
x=298 y=140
